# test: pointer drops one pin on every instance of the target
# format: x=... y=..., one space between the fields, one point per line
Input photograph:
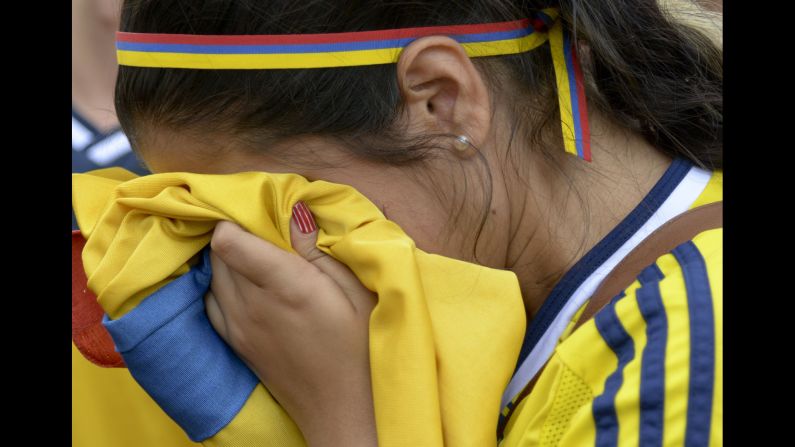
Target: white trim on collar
x=679 y=201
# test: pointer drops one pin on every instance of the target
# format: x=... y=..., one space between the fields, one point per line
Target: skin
x=308 y=311
x=94 y=67
x=546 y=212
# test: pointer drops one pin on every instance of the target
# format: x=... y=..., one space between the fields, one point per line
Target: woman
x=466 y=156
x=131 y=418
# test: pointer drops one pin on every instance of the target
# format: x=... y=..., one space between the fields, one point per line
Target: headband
x=301 y=51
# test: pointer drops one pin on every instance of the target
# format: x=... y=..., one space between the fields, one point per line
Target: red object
x=581 y=104
x=88 y=333
x=305 y=39
x=303 y=217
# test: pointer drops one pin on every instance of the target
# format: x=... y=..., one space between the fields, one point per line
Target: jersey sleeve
x=646 y=370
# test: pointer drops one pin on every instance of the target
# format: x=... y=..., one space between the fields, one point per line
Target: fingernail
x=303 y=217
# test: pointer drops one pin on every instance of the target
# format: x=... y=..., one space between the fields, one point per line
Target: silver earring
x=462 y=143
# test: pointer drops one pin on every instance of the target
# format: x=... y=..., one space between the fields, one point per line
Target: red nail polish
x=303 y=217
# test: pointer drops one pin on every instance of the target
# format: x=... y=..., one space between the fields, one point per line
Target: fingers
x=259 y=261
x=223 y=283
x=215 y=314
x=267 y=266
x=303 y=233
x=303 y=237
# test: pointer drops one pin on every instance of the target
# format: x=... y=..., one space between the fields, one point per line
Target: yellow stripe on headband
x=564 y=93
x=571 y=94
x=311 y=60
x=302 y=51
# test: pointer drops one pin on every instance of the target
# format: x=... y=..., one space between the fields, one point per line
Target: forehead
x=164 y=150
x=312 y=157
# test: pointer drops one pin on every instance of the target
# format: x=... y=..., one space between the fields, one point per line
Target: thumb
x=303 y=236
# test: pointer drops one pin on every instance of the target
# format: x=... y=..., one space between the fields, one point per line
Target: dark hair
x=646 y=71
x=650 y=74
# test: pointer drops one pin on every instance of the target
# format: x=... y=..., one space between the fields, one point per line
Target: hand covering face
x=444 y=336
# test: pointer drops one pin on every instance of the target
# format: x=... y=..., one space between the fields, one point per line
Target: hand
x=301 y=324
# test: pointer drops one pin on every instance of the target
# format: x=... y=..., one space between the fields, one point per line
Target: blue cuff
x=174 y=353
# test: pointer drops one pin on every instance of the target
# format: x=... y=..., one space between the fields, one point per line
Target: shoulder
x=647 y=367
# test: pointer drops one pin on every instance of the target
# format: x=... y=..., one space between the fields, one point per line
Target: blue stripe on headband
x=310 y=48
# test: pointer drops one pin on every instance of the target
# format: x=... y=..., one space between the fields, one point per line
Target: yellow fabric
x=255 y=423
x=556 y=411
x=574 y=393
x=129 y=419
x=444 y=336
x=713 y=192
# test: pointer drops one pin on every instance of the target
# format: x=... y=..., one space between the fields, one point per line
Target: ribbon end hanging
x=571 y=93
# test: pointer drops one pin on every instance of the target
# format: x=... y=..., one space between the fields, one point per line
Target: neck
x=94 y=65
x=566 y=206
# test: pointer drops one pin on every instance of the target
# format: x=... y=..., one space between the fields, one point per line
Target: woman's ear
x=442 y=90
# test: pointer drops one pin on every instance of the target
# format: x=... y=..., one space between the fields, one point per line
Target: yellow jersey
x=647 y=368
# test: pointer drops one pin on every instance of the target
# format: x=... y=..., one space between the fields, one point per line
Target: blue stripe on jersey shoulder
x=604 y=405
x=585 y=267
x=650 y=274
x=702 y=344
x=652 y=367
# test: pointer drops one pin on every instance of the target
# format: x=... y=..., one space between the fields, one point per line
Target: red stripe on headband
x=582 y=107
x=282 y=39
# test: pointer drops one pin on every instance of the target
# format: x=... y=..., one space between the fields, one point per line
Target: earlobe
x=442 y=89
